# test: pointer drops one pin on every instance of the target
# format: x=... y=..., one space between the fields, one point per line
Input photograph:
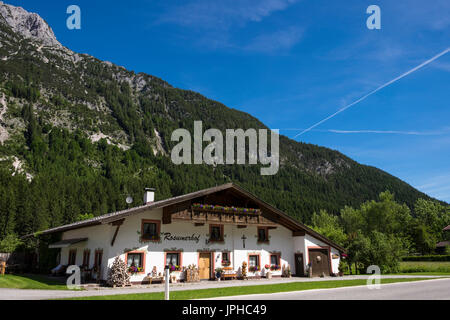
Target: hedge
x=427 y=258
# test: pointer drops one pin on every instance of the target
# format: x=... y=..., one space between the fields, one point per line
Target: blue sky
x=292 y=63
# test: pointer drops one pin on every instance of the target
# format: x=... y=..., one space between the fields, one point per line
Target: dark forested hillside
x=78 y=135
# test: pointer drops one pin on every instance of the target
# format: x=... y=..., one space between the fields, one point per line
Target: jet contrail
x=340 y=131
x=414 y=133
x=374 y=91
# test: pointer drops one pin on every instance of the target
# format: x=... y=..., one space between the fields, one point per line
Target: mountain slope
x=77 y=135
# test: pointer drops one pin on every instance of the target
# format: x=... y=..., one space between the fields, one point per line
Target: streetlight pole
x=167 y=276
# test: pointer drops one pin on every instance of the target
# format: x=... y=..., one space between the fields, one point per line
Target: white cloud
x=275 y=41
x=208 y=14
x=432 y=15
x=437 y=187
x=442 y=66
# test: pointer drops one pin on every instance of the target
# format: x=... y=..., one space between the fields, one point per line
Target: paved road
x=22 y=294
x=438 y=289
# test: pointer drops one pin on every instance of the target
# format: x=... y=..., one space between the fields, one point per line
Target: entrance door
x=299 y=269
x=204 y=266
x=319 y=262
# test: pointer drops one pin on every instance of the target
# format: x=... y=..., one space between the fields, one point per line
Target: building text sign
x=170 y=237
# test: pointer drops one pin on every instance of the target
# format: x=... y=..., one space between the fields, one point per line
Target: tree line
x=380 y=232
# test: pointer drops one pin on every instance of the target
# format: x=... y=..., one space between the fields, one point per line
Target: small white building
x=212 y=228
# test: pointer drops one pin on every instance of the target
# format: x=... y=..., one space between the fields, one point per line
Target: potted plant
x=343 y=266
x=219 y=273
x=287 y=271
x=267 y=271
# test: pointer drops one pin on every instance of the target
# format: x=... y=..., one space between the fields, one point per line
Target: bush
x=10 y=243
x=427 y=258
x=447 y=250
x=343 y=266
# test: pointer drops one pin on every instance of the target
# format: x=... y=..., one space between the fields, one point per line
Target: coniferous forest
x=82 y=135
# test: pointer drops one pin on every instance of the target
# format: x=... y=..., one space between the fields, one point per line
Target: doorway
x=204 y=265
x=320 y=262
x=299 y=265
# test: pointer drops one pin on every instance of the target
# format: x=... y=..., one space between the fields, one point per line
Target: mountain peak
x=29 y=25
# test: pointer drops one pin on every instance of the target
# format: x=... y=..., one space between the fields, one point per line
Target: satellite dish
x=129 y=200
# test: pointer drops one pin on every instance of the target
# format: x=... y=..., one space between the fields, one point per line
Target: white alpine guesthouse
x=220 y=227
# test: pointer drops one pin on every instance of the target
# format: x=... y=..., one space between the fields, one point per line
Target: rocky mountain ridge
x=29 y=25
x=85 y=132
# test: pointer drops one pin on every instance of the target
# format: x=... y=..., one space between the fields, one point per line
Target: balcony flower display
x=174 y=268
x=223 y=208
x=134 y=269
x=225 y=263
x=253 y=268
x=275 y=267
x=267 y=267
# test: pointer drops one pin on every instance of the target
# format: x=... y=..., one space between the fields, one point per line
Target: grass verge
x=442 y=267
x=30 y=282
x=245 y=290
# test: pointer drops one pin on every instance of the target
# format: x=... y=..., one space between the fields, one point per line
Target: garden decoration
x=118 y=274
x=244 y=270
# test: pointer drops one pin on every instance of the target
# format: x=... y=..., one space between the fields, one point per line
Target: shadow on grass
x=32 y=281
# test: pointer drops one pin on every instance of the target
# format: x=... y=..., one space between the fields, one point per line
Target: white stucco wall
x=99 y=237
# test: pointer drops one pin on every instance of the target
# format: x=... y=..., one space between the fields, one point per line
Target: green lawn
x=30 y=282
x=234 y=291
x=423 y=267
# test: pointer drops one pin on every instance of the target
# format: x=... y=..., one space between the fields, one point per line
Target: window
x=216 y=232
x=263 y=235
x=86 y=256
x=173 y=259
x=72 y=257
x=225 y=258
x=150 y=230
x=253 y=263
x=274 y=259
x=98 y=258
x=135 y=261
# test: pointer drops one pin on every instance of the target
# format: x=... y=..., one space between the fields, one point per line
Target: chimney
x=149 y=195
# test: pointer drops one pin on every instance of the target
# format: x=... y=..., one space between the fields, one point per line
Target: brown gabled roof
x=443 y=244
x=447 y=228
x=283 y=218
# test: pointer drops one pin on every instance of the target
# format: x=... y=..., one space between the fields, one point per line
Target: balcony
x=205 y=213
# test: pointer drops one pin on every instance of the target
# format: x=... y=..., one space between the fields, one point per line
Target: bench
x=154 y=276
x=229 y=273
x=231 y=276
